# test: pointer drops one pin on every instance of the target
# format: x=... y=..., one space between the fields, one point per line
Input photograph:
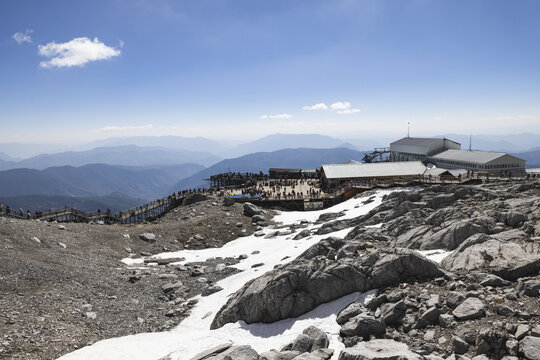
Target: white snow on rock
x=435 y=255
x=193 y=334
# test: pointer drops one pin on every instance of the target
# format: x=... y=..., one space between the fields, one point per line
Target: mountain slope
x=532 y=158
x=262 y=161
x=172 y=142
x=95 y=180
x=288 y=141
x=117 y=155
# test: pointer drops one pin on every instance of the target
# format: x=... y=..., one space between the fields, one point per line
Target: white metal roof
x=418 y=141
x=381 y=169
x=477 y=157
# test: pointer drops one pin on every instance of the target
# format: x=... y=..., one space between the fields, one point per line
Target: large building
x=479 y=161
x=446 y=153
x=335 y=174
x=414 y=149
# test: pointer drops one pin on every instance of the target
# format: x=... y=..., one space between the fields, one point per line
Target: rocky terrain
x=481 y=301
x=64 y=286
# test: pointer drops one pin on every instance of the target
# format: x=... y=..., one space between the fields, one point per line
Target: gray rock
x=459 y=345
x=509 y=260
x=494 y=281
x=168 y=287
x=447 y=321
x=521 y=331
x=454 y=298
x=323 y=353
x=302 y=234
x=258 y=219
x=529 y=288
x=364 y=326
x=471 y=308
x=429 y=317
x=452 y=236
x=393 y=313
x=310 y=280
x=302 y=343
x=530 y=347
x=148 y=237
x=211 y=290
x=320 y=339
x=250 y=209
x=350 y=311
x=504 y=310
x=243 y=352
x=379 y=349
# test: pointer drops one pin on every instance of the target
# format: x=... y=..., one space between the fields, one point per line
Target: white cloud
x=76 y=52
x=124 y=128
x=278 y=116
x=348 y=111
x=340 y=105
x=320 y=106
x=20 y=37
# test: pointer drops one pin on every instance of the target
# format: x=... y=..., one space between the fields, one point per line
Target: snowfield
x=193 y=334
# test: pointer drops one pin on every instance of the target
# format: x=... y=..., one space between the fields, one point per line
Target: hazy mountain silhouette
x=288 y=141
x=117 y=155
x=95 y=180
x=262 y=161
x=172 y=142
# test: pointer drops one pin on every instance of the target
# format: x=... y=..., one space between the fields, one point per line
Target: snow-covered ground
x=193 y=334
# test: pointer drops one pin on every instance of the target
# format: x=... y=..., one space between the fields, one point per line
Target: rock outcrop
x=313 y=279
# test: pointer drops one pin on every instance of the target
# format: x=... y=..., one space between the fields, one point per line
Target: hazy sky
x=81 y=70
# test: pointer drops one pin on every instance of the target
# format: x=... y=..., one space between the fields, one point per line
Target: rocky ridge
x=480 y=302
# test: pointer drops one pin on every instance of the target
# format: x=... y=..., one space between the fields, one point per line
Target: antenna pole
x=408 y=129
x=470 y=141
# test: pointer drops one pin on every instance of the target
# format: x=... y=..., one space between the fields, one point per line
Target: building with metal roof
x=479 y=161
x=414 y=149
x=334 y=174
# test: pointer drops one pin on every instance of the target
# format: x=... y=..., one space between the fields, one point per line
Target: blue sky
x=233 y=69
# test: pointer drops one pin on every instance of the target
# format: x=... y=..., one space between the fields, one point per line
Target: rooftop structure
x=413 y=149
x=334 y=174
x=479 y=161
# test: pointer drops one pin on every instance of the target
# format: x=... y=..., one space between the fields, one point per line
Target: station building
x=335 y=174
x=414 y=149
x=447 y=154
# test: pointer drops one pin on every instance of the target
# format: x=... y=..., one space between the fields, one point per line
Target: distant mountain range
x=145 y=183
x=115 y=202
x=532 y=158
x=288 y=141
x=262 y=161
x=130 y=155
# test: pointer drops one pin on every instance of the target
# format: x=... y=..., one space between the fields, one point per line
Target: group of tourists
x=6 y=210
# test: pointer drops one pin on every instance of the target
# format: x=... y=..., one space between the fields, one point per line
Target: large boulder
x=471 y=308
x=250 y=209
x=300 y=286
x=530 y=347
x=509 y=260
x=364 y=326
x=451 y=236
x=379 y=349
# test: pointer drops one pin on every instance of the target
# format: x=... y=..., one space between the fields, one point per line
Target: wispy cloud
x=340 y=105
x=348 y=111
x=278 y=116
x=124 y=128
x=76 y=52
x=319 y=106
x=20 y=37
